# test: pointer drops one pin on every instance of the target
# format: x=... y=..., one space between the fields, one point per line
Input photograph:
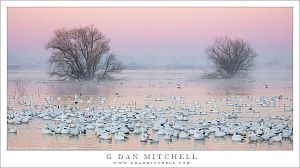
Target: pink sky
x=159 y=32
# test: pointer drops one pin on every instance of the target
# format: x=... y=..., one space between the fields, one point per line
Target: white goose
x=277 y=138
x=144 y=137
x=184 y=135
x=65 y=130
x=75 y=131
x=219 y=134
x=237 y=138
x=253 y=137
x=161 y=131
x=199 y=135
x=13 y=130
x=119 y=136
x=106 y=136
x=57 y=130
x=168 y=136
x=46 y=129
x=136 y=130
x=286 y=133
x=155 y=139
x=266 y=136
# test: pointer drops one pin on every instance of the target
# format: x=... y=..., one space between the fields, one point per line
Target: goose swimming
x=155 y=139
x=168 y=137
x=286 y=133
x=277 y=138
x=237 y=137
x=219 y=134
x=199 y=135
x=65 y=130
x=106 y=136
x=114 y=121
x=174 y=133
x=119 y=136
x=253 y=137
x=144 y=137
x=184 y=135
x=46 y=129
x=75 y=131
x=13 y=130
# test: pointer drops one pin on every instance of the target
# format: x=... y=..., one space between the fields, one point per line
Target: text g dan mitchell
x=145 y=156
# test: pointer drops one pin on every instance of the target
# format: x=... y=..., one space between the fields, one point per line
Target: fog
x=144 y=62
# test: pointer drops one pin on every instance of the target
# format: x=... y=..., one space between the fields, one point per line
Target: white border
x=97 y=158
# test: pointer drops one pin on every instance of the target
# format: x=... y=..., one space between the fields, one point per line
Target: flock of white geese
x=153 y=124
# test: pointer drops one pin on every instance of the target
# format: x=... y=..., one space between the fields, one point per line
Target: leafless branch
x=21 y=86
x=110 y=65
x=231 y=56
x=77 y=52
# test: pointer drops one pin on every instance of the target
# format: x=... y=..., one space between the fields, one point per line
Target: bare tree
x=110 y=65
x=231 y=56
x=21 y=86
x=77 y=53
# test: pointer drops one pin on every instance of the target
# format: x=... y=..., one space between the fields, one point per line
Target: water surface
x=131 y=88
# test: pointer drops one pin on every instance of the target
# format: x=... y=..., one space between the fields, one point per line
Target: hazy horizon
x=133 y=62
x=156 y=36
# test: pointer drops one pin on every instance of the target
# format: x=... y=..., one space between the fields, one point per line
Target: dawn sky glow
x=156 y=32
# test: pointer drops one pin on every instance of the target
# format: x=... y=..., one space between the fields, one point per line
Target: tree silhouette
x=231 y=56
x=77 y=53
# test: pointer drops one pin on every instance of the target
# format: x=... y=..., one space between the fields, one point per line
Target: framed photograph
x=149 y=83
